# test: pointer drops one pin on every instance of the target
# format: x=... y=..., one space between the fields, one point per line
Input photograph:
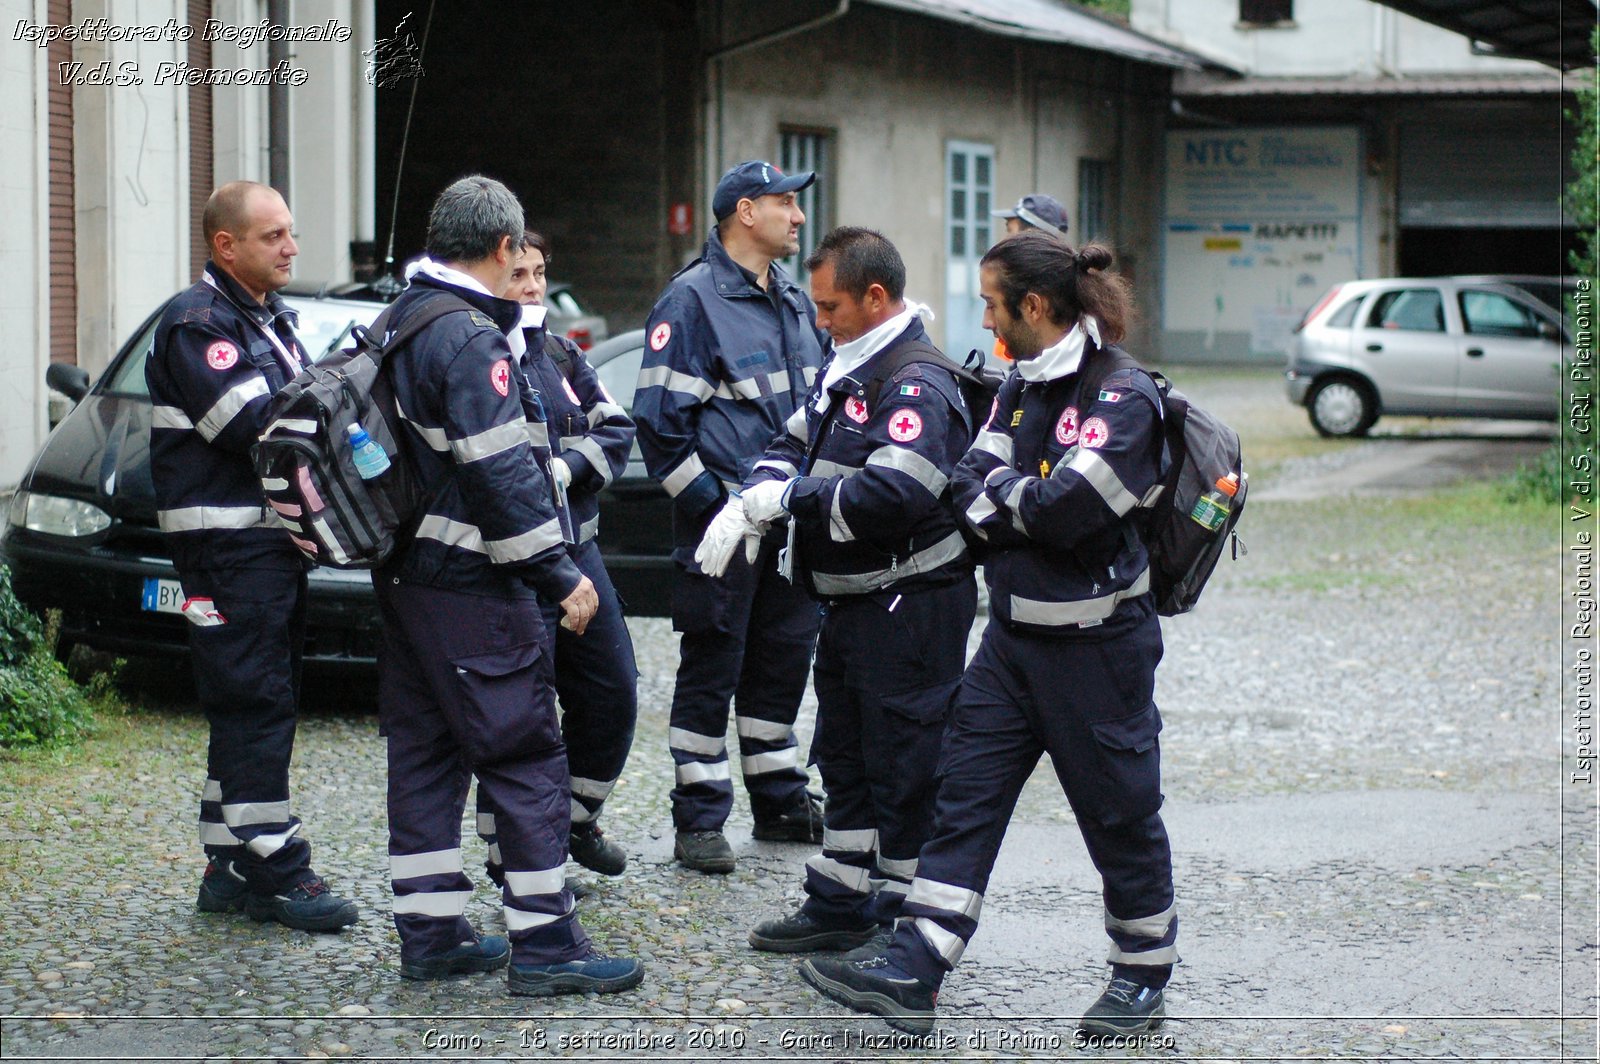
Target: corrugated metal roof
x=1191 y=87
x=1052 y=23
x=1553 y=32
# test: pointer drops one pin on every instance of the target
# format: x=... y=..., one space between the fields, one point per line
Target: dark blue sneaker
x=485 y=955
x=222 y=889
x=1125 y=1008
x=874 y=985
x=307 y=906
x=594 y=974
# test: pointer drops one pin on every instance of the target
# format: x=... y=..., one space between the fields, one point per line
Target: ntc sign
x=1216 y=150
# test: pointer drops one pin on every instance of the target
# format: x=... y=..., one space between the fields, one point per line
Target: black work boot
x=800 y=932
x=589 y=846
x=704 y=851
x=484 y=955
x=801 y=822
x=222 y=889
x=874 y=985
x=1125 y=1008
x=307 y=906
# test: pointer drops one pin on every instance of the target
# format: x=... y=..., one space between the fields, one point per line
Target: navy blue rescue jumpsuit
x=218 y=357
x=1066 y=667
x=725 y=364
x=465 y=674
x=878 y=542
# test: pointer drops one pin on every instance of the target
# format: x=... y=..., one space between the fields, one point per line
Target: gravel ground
x=1363 y=785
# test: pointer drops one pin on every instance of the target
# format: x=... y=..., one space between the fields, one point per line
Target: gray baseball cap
x=1039 y=211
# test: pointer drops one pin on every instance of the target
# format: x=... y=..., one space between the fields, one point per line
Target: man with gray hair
x=466 y=685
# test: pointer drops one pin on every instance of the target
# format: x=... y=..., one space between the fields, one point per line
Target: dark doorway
x=1434 y=252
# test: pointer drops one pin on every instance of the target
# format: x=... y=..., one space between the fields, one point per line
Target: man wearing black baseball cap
x=732 y=350
x=1035 y=211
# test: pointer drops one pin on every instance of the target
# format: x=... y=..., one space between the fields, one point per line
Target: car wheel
x=1342 y=407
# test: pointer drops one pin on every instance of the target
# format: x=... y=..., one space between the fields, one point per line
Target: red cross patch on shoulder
x=222 y=355
x=905 y=425
x=660 y=335
x=1096 y=433
x=500 y=377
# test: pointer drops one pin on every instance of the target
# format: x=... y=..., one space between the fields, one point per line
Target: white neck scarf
x=1056 y=362
x=851 y=356
x=532 y=318
x=438 y=271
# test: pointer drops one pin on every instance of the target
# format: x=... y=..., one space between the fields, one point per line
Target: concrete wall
x=895 y=89
x=1327 y=38
x=24 y=245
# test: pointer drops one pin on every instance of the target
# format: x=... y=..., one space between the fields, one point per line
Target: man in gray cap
x=732 y=350
x=1035 y=211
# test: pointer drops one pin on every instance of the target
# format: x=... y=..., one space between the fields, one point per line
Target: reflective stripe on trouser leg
x=247 y=677
x=711 y=615
x=597 y=683
x=780 y=638
x=1135 y=864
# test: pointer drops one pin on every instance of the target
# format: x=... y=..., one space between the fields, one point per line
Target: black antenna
x=388 y=277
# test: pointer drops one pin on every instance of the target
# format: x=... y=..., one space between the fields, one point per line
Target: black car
x=80 y=533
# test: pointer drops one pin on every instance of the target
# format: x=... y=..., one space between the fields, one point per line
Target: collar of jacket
x=275 y=307
x=506 y=313
x=733 y=280
x=856 y=383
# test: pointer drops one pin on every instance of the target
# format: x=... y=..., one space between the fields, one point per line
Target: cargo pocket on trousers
x=699 y=602
x=1128 y=785
x=507 y=704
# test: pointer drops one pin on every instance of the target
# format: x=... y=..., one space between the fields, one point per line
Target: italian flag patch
x=1110 y=397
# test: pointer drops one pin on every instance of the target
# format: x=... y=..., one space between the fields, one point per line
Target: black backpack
x=1182 y=551
x=305 y=462
x=979 y=384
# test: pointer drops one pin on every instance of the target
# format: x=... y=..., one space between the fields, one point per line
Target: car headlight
x=55 y=516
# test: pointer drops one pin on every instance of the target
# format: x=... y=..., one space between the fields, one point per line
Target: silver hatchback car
x=1435 y=346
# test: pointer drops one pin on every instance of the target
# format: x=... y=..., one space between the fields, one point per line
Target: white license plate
x=162 y=596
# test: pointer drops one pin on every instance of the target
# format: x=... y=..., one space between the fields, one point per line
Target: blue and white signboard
x=1259 y=222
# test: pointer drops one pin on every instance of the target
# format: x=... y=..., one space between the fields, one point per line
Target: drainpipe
x=278 y=106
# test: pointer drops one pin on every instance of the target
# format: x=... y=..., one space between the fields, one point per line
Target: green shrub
x=39 y=703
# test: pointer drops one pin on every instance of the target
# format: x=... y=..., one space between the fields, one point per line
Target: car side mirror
x=71 y=381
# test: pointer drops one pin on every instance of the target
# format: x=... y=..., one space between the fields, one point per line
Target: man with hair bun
x=1067 y=663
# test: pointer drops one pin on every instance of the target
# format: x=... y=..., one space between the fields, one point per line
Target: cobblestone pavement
x=1364 y=792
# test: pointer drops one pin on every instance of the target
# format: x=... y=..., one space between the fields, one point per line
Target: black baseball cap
x=755 y=178
x=1039 y=211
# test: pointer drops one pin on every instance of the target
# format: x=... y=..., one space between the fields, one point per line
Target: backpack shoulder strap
x=560 y=356
x=432 y=309
x=903 y=356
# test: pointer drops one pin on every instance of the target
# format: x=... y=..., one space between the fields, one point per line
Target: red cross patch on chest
x=1067 y=427
x=855 y=410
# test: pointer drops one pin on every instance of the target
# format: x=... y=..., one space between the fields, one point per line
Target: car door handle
x=1374 y=347
x=1474 y=352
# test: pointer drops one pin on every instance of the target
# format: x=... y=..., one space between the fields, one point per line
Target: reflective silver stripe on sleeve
x=432 y=903
x=949 y=549
x=912 y=465
x=1103 y=479
x=782 y=468
x=523 y=920
x=824 y=468
x=902 y=870
x=597 y=790
x=997 y=444
x=858 y=840
x=596 y=456
x=768 y=731
x=226 y=408
x=673 y=381
x=946 y=944
x=775 y=761
x=695 y=743
x=702 y=772
x=522 y=884
x=1144 y=926
x=838 y=528
x=892 y=886
x=796 y=425
x=241 y=814
x=530 y=543
x=413 y=865
x=779 y=382
x=169 y=417
x=981 y=510
x=538 y=434
x=489 y=442
x=589 y=529
x=1081 y=611
x=849 y=876
x=200 y=518
x=1013 y=501
x=958 y=901
x=602 y=411
x=749 y=389
x=682 y=476
x=1164 y=955
x=433 y=437
x=451 y=533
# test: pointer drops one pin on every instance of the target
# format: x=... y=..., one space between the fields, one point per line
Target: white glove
x=763 y=501
x=727 y=530
x=560 y=472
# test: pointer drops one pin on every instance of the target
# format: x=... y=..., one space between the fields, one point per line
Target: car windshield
x=324 y=327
